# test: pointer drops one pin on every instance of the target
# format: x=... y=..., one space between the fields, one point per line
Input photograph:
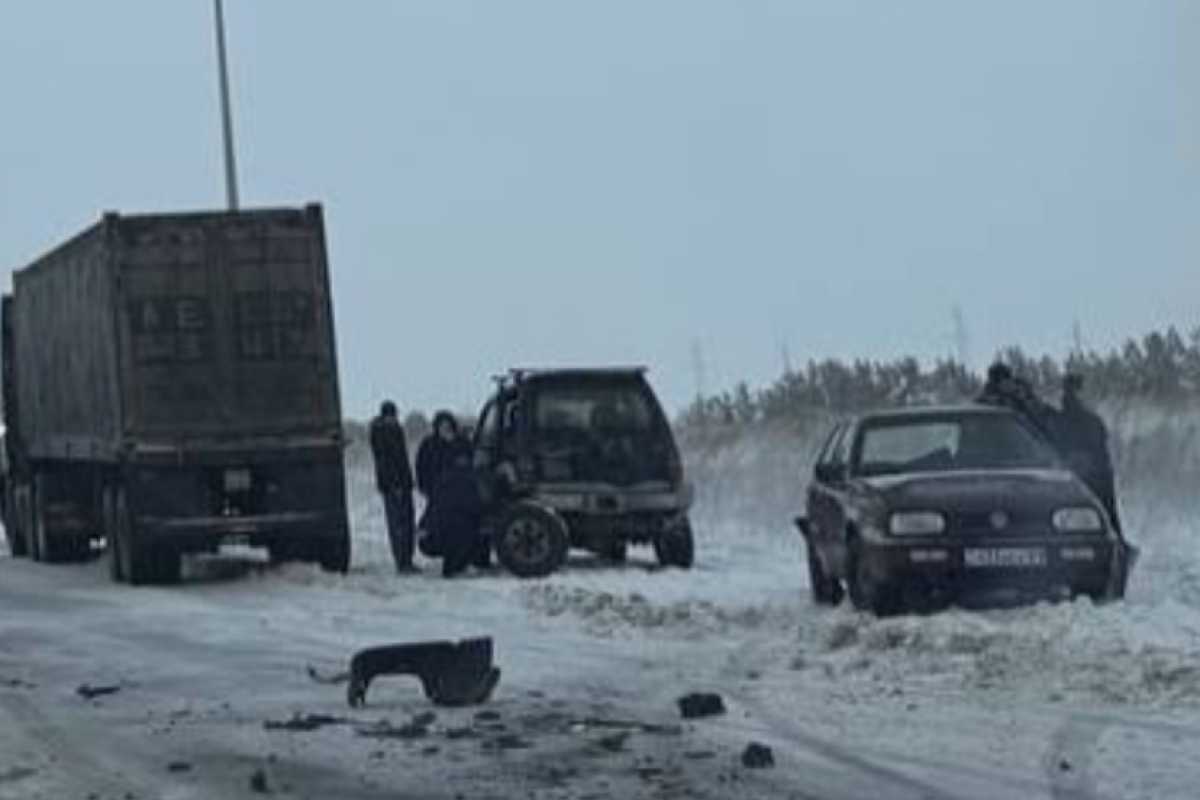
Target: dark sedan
x=910 y=508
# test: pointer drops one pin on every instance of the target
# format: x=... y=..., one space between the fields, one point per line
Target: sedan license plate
x=989 y=557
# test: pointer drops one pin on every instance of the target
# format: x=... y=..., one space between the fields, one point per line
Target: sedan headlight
x=917 y=523
x=1078 y=519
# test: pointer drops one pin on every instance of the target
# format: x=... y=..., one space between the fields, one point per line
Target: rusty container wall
x=174 y=332
x=65 y=351
x=226 y=327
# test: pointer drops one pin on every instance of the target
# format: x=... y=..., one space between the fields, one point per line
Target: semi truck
x=169 y=385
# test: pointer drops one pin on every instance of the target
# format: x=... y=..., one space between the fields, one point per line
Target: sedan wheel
x=826 y=591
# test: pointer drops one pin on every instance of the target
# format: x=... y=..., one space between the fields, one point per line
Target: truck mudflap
x=239 y=525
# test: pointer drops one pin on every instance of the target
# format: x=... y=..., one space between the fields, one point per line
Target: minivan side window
x=489 y=427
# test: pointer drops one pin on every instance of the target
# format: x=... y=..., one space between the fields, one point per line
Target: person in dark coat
x=1083 y=441
x=455 y=515
x=393 y=477
x=436 y=453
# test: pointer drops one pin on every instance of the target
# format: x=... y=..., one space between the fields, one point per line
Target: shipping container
x=170 y=383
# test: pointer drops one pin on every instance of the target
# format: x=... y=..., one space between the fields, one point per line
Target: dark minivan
x=580 y=458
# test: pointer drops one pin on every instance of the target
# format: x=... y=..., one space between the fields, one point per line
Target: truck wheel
x=676 y=546
x=108 y=517
x=334 y=554
x=530 y=541
x=25 y=526
x=46 y=548
x=139 y=563
x=826 y=591
x=12 y=523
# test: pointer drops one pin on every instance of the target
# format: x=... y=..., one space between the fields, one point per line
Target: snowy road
x=1065 y=701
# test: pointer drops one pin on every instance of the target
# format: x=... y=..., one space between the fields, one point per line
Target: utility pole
x=231 y=189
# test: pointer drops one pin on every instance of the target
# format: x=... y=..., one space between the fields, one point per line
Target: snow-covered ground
x=1057 y=701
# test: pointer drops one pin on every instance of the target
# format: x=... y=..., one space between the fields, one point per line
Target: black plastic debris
x=758 y=756
x=451 y=673
x=697 y=705
x=89 y=692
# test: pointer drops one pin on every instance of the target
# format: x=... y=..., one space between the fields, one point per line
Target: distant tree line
x=1162 y=369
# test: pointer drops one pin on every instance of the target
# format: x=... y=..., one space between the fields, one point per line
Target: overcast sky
x=520 y=183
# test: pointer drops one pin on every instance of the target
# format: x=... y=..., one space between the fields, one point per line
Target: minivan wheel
x=676 y=546
x=530 y=541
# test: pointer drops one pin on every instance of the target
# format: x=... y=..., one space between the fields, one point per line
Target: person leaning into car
x=393 y=477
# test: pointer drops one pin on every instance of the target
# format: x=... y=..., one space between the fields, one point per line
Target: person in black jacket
x=455 y=515
x=436 y=452
x=1083 y=440
x=393 y=477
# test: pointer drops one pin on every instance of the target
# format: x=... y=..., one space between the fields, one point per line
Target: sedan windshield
x=942 y=444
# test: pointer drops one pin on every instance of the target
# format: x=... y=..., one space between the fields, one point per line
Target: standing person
x=434 y=458
x=1083 y=442
x=436 y=453
x=455 y=515
x=1083 y=439
x=393 y=477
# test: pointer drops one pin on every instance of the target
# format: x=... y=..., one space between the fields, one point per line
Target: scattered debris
x=305 y=722
x=1064 y=765
x=258 y=782
x=694 y=706
x=89 y=692
x=179 y=766
x=16 y=683
x=455 y=734
x=385 y=730
x=699 y=755
x=487 y=716
x=758 y=756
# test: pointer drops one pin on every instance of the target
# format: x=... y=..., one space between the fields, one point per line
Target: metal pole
x=231 y=189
